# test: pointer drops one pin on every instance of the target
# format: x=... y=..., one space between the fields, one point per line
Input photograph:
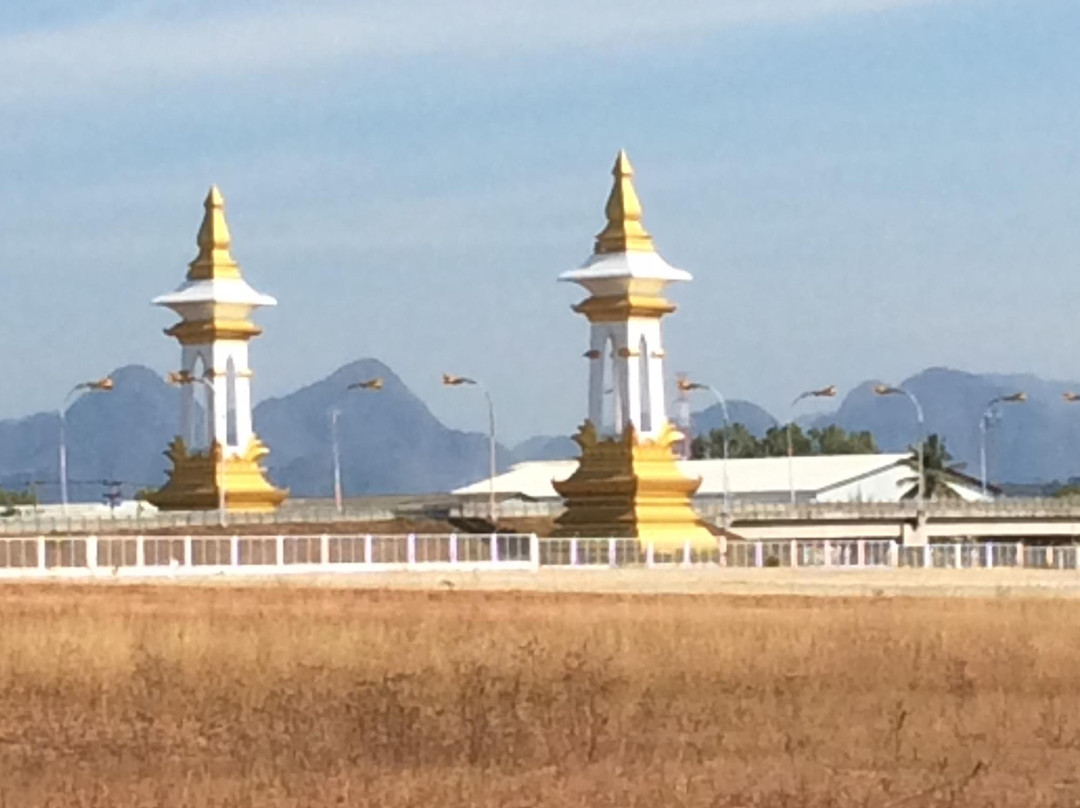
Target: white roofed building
x=815 y=478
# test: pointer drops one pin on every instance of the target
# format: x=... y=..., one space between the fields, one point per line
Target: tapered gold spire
x=624 y=231
x=215 y=260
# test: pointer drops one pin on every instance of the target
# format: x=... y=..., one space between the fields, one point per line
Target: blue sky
x=861 y=188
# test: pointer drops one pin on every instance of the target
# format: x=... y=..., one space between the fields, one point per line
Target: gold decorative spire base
x=631 y=488
x=195 y=477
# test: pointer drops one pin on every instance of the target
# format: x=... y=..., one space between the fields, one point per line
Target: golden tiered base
x=193 y=481
x=626 y=487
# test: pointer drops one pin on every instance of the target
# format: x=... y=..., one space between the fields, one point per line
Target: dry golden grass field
x=289 y=696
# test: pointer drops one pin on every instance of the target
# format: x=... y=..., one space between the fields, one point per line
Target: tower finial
x=214 y=260
x=624 y=231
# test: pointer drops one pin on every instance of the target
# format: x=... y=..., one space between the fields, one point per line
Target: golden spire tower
x=627 y=482
x=215 y=304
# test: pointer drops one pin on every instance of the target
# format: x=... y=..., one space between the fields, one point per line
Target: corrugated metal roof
x=745 y=476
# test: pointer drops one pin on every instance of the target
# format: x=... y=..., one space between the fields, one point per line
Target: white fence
x=140 y=556
x=143 y=556
x=840 y=554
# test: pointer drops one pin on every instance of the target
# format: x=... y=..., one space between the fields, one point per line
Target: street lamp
x=686 y=386
x=886 y=390
x=102 y=385
x=335 y=413
x=824 y=392
x=456 y=381
x=180 y=378
x=984 y=425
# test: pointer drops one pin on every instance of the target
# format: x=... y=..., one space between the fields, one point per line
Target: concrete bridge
x=1040 y=520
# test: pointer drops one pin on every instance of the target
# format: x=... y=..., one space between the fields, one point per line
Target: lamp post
x=178 y=379
x=102 y=385
x=456 y=381
x=824 y=392
x=984 y=426
x=687 y=386
x=335 y=413
x=886 y=390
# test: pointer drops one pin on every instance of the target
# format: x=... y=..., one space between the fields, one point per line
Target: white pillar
x=599 y=349
x=140 y=551
x=91 y=552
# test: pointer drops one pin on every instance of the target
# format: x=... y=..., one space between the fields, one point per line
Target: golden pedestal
x=626 y=487
x=195 y=477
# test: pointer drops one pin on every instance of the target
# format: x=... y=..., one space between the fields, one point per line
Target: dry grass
x=294 y=697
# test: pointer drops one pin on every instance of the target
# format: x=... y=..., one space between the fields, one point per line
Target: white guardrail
x=148 y=556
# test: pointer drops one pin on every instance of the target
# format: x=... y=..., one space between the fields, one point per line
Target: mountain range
x=392 y=443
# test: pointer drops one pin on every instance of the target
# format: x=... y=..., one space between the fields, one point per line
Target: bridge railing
x=89 y=556
x=122 y=555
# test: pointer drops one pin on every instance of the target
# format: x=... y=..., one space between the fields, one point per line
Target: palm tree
x=937 y=471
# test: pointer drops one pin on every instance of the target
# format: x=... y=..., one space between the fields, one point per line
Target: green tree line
x=830 y=440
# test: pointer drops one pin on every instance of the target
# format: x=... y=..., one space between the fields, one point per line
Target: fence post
x=860 y=553
x=827 y=549
x=1020 y=554
x=650 y=554
x=958 y=559
x=494 y=548
x=453 y=548
x=894 y=554
x=91 y=552
x=794 y=552
x=324 y=550
x=927 y=556
x=989 y=562
x=759 y=555
x=573 y=552
x=410 y=550
x=686 y=558
x=534 y=552
x=612 y=553
x=41 y=562
x=367 y=549
x=187 y=551
x=140 y=552
x=234 y=551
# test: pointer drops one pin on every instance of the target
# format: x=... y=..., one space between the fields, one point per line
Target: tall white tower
x=625 y=278
x=215 y=304
x=627 y=482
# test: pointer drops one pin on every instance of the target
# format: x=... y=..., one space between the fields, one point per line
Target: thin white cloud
x=151 y=46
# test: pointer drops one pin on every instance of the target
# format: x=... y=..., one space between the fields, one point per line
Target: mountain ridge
x=391 y=442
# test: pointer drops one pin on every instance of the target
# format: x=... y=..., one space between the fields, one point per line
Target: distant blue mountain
x=392 y=443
